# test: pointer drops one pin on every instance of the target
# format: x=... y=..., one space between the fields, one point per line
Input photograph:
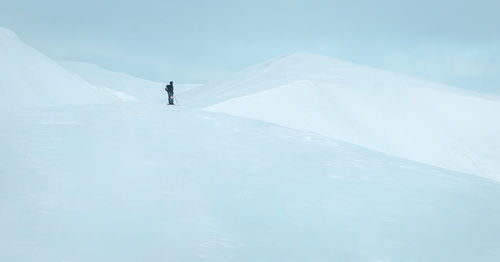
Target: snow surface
x=143 y=181
x=29 y=78
x=395 y=114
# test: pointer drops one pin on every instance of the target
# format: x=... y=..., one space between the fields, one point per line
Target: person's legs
x=170 y=98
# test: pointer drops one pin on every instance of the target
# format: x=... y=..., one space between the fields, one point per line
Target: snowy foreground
x=149 y=183
x=116 y=175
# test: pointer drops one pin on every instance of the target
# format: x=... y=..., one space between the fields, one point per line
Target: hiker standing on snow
x=170 y=92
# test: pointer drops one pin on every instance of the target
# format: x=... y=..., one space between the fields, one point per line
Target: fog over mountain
x=194 y=41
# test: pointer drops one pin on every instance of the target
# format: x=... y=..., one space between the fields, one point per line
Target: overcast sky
x=455 y=42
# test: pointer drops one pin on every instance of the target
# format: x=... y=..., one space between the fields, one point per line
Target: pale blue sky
x=455 y=42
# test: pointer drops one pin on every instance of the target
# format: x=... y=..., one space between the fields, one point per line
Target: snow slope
x=395 y=114
x=145 y=182
x=29 y=78
x=139 y=88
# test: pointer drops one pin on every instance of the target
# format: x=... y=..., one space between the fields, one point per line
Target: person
x=170 y=91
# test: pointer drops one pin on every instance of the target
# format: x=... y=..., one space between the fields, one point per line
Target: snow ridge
x=396 y=114
x=29 y=78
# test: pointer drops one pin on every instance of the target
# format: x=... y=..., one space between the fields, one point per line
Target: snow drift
x=391 y=113
x=29 y=78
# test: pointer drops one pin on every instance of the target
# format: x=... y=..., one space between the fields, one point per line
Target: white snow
x=29 y=78
x=147 y=182
x=395 y=114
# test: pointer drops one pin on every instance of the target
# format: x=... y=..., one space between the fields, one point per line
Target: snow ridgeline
x=29 y=78
x=395 y=114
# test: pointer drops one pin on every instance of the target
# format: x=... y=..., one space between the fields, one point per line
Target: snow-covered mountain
x=147 y=182
x=29 y=78
x=399 y=115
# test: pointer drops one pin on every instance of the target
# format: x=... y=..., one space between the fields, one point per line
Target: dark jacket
x=169 y=88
